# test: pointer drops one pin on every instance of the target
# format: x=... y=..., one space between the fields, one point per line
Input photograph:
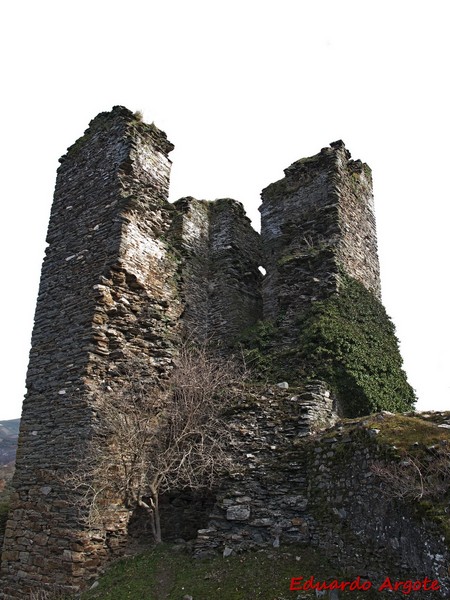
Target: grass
x=407 y=432
x=168 y=573
x=402 y=431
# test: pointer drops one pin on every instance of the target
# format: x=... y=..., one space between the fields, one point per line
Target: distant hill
x=9 y=433
x=10 y=427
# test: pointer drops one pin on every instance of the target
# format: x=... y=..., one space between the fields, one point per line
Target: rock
x=238 y=513
x=227 y=551
x=283 y=385
x=340 y=512
x=243 y=499
x=263 y=522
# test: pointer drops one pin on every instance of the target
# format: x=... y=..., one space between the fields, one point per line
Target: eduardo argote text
x=405 y=587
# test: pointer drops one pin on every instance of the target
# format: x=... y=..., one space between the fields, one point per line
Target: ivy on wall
x=350 y=341
x=347 y=340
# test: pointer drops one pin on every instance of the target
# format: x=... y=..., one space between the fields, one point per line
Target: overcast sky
x=243 y=89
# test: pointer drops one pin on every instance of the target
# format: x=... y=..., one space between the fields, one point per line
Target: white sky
x=243 y=89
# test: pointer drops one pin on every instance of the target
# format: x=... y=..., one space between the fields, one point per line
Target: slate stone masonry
x=221 y=283
x=317 y=223
x=106 y=283
x=123 y=279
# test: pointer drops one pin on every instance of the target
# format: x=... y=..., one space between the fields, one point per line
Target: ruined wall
x=293 y=487
x=221 y=283
x=190 y=232
x=321 y=293
x=265 y=499
x=357 y=526
x=351 y=186
x=316 y=221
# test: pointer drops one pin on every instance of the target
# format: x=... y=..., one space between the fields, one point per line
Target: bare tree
x=416 y=476
x=150 y=441
x=403 y=479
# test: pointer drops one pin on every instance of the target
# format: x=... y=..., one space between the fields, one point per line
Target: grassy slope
x=408 y=432
x=168 y=573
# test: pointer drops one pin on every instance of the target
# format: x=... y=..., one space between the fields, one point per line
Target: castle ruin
x=128 y=274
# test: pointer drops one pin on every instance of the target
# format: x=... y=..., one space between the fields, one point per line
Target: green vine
x=350 y=341
x=347 y=340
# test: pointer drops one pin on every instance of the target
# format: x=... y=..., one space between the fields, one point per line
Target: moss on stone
x=256 y=345
x=403 y=431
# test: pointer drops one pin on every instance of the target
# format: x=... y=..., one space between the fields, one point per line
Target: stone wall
x=221 y=283
x=190 y=232
x=266 y=497
x=361 y=529
x=351 y=186
x=295 y=484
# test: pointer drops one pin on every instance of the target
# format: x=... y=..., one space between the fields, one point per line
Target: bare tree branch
x=416 y=478
x=150 y=441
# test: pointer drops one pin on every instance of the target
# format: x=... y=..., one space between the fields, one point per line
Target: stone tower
x=321 y=292
x=107 y=281
x=317 y=222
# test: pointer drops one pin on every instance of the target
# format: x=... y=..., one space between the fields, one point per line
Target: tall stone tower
x=322 y=288
x=107 y=284
x=317 y=223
